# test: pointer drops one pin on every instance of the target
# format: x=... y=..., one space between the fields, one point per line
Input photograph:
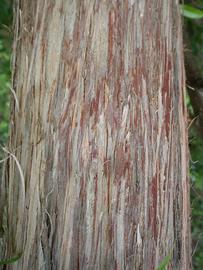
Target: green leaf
x=191 y=12
x=164 y=263
x=11 y=260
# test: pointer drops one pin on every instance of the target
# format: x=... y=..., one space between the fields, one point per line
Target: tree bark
x=98 y=171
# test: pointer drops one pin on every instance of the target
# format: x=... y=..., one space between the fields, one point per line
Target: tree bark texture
x=97 y=174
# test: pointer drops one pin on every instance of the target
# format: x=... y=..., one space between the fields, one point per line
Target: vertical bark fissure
x=100 y=136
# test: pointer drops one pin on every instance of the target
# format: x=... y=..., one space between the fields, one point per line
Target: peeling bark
x=100 y=136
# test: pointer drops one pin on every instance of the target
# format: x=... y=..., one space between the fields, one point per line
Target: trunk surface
x=98 y=128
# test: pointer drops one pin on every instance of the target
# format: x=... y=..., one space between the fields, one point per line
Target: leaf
x=191 y=12
x=11 y=260
x=164 y=263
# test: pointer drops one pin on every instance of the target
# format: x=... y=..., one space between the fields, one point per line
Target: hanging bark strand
x=100 y=136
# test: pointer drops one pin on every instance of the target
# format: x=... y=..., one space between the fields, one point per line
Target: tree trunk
x=97 y=174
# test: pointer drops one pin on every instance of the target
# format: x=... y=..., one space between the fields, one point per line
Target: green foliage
x=11 y=260
x=164 y=263
x=196 y=173
x=6 y=12
x=191 y=12
x=5 y=52
x=195 y=35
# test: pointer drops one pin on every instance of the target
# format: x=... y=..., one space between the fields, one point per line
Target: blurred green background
x=193 y=39
x=5 y=55
x=193 y=28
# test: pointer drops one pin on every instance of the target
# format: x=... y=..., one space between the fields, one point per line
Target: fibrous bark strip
x=100 y=136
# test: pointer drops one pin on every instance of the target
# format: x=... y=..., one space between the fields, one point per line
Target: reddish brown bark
x=100 y=136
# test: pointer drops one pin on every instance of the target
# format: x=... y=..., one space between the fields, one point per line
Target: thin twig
x=19 y=168
x=195 y=248
x=15 y=97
